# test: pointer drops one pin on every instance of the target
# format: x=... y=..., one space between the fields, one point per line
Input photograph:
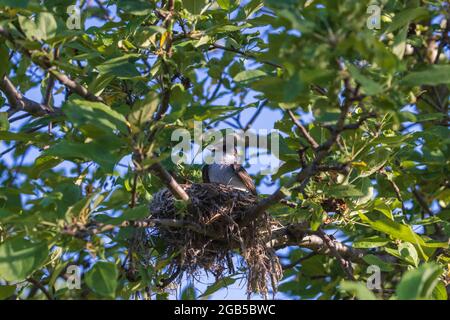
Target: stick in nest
x=218 y=209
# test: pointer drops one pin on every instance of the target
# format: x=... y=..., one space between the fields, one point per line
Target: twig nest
x=205 y=231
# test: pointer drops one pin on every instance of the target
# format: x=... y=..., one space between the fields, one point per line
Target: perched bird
x=227 y=171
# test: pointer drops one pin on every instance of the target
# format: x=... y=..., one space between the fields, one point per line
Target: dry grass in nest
x=214 y=228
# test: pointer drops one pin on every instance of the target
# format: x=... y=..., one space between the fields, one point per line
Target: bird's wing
x=205 y=174
x=245 y=178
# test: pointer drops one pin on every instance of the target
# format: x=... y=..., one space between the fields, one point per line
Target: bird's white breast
x=224 y=174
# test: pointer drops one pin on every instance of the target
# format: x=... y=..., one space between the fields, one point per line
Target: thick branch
x=169 y=181
x=157 y=168
x=20 y=103
x=73 y=85
x=333 y=247
x=299 y=235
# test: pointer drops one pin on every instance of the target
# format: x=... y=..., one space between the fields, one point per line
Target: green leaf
x=95 y=151
x=43 y=163
x=23 y=136
x=202 y=112
x=358 y=289
x=369 y=86
x=4 y=57
x=225 y=4
x=363 y=184
x=440 y=292
x=371 y=242
x=429 y=117
x=135 y=7
x=42 y=27
x=395 y=229
x=376 y=161
x=433 y=75
x=102 y=279
x=342 y=191
x=405 y=17
x=4 y=123
x=249 y=75
x=194 y=6
x=372 y=259
x=120 y=67
x=23 y=4
x=188 y=293
x=20 y=257
x=419 y=283
x=381 y=206
x=221 y=283
x=143 y=110
x=6 y=291
x=287 y=90
x=409 y=253
x=399 y=46
x=93 y=117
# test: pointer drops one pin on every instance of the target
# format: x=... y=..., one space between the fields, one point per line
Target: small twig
x=397 y=191
x=106 y=13
x=41 y=287
x=17 y=118
x=245 y=54
x=165 y=282
x=133 y=191
x=303 y=130
x=443 y=42
x=423 y=204
x=255 y=115
x=22 y=142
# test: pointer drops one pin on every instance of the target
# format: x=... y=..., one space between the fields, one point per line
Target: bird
x=227 y=171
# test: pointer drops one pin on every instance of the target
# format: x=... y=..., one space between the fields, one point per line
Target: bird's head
x=225 y=150
x=226 y=146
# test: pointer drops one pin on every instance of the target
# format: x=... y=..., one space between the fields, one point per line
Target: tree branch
x=303 y=130
x=245 y=54
x=299 y=235
x=177 y=191
x=81 y=230
x=169 y=181
x=20 y=103
x=333 y=247
x=255 y=115
x=305 y=175
x=41 y=287
x=45 y=64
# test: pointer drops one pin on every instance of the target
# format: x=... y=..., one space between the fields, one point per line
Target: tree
x=362 y=90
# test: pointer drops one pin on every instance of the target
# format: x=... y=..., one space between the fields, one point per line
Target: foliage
x=375 y=101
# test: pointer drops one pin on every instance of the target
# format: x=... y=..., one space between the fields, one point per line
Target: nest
x=213 y=228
